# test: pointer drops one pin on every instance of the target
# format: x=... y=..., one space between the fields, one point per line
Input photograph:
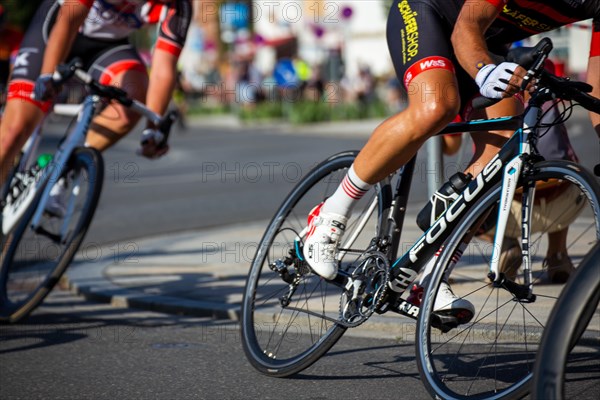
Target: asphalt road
x=209 y=178
x=70 y=349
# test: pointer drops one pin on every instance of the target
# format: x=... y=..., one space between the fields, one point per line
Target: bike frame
x=506 y=166
x=76 y=138
x=52 y=173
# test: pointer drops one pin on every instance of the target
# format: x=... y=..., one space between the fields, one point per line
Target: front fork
x=512 y=173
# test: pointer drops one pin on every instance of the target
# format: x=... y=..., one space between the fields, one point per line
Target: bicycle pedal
x=444 y=323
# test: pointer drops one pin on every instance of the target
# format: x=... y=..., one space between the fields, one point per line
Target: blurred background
x=306 y=60
x=301 y=61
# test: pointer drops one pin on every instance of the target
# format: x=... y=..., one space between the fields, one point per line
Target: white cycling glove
x=493 y=79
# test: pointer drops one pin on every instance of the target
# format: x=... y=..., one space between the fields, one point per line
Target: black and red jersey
x=117 y=19
x=519 y=19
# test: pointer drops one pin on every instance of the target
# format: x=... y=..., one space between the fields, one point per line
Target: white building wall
x=579 y=41
x=366 y=38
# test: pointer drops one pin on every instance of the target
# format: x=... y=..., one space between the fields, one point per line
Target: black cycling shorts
x=418 y=36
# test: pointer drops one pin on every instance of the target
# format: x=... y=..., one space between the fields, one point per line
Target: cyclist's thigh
x=123 y=67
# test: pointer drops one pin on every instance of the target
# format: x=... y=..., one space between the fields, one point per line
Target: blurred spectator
x=14 y=20
x=249 y=83
x=365 y=86
x=396 y=99
x=315 y=87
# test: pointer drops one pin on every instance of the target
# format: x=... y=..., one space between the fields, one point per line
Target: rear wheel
x=291 y=316
x=33 y=260
x=492 y=356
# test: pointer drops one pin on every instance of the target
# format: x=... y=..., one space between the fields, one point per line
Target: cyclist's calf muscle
x=115 y=121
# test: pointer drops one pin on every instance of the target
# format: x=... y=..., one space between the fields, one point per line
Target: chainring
x=365 y=289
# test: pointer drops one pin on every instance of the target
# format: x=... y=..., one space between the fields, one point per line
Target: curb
x=93 y=281
x=119 y=297
x=98 y=280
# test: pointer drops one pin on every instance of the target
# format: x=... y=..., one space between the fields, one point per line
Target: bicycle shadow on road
x=64 y=318
x=394 y=360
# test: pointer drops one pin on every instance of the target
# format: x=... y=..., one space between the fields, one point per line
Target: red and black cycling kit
x=419 y=31
x=14 y=20
x=102 y=42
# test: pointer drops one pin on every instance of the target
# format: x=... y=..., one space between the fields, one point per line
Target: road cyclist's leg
x=116 y=120
x=122 y=67
x=433 y=102
x=19 y=120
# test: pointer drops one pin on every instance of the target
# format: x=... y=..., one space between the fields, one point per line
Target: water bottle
x=442 y=198
x=43 y=160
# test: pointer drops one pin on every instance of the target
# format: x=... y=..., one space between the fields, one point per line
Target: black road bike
x=291 y=316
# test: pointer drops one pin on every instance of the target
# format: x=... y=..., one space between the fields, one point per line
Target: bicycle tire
x=302 y=338
x=569 y=319
x=26 y=275
x=458 y=364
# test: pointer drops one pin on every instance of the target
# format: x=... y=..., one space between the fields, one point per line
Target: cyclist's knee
x=442 y=111
x=434 y=116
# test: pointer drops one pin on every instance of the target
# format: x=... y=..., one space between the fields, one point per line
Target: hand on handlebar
x=500 y=81
x=153 y=144
x=45 y=88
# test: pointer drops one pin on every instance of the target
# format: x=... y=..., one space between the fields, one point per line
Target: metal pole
x=435 y=164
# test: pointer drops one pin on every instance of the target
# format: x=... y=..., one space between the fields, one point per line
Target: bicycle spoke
x=307 y=318
x=494 y=353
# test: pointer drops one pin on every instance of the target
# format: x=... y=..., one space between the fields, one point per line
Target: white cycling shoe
x=325 y=231
x=446 y=302
x=449 y=303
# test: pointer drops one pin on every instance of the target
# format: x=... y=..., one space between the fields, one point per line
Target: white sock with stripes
x=347 y=194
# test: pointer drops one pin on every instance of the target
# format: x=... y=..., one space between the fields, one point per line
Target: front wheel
x=33 y=260
x=291 y=316
x=492 y=356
